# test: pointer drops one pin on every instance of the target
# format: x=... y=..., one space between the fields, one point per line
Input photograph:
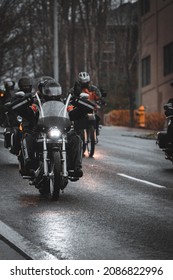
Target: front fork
x=45 y=159
x=64 y=157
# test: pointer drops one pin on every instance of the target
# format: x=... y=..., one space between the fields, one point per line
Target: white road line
x=24 y=245
x=142 y=181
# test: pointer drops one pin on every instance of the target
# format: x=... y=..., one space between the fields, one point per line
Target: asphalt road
x=121 y=209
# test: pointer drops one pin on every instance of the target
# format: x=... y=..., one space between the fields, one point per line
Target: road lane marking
x=142 y=181
x=23 y=245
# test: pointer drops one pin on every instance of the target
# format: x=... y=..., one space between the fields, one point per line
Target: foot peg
x=26 y=177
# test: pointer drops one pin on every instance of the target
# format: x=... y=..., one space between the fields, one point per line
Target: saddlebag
x=162 y=139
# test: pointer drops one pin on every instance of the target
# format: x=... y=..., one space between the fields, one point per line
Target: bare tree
x=93 y=16
x=98 y=36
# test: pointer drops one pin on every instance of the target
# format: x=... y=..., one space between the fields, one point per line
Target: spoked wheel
x=55 y=177
x=91 y=141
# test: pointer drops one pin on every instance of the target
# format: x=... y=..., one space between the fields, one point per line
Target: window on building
x=168 y=59
x=145 y=6
x=146 y=71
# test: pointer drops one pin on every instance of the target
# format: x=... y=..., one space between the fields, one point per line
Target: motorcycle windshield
x=54 y=113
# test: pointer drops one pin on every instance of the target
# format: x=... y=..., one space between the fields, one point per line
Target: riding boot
x=74 y=152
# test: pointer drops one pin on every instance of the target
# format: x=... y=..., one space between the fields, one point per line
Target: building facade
x=155 y=54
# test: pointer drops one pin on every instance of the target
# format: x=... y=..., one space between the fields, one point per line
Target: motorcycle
x=51 y=176
x=165 y=138
x=92 y=130
x=90 y=135
x=3 y=96
x=87 y=128
x=12 y=127
x=12 y=135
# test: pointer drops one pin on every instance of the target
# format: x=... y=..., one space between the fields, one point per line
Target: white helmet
x=83 y=77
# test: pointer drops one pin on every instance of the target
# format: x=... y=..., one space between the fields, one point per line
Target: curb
x=23 y=246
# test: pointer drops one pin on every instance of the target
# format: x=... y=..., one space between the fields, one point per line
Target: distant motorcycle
x=89 y=131
x=89 y=135
x=12 y=125
x=92 y=131
x=13 y=135
x=165 y=138
x=2 y=96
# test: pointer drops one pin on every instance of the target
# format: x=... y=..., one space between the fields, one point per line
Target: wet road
x=121 y=209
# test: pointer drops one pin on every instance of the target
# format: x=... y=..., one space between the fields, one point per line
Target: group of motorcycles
x=51 y=175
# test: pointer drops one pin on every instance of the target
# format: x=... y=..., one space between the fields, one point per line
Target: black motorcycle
x=13 y=134
x=90 y=135
x=51 y=176
x=12 y=124
x=88 y=128
x=165 y=138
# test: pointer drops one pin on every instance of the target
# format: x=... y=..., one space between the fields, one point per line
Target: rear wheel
x=83 y=135
x=55 y=178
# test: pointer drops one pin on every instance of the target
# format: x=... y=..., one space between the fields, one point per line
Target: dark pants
x=74 y=151
x=28 y=150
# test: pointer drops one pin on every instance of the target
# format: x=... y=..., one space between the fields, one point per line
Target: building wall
x=156 y=32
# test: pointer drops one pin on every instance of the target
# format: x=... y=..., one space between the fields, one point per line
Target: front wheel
x=55 y=175
x=91 y=140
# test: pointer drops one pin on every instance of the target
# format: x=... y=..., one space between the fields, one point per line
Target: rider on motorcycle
x=83 y=85
x=74 y=145
x=11 y=120
x=20 y=105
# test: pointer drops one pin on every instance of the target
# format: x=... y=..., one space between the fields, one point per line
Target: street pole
x=56 y=56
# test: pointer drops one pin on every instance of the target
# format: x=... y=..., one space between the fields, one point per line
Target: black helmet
x=9 y=84
x=25 y=84
x=51 y=90
x=42 y=81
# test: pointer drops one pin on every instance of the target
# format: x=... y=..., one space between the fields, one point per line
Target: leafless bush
x=154 y=121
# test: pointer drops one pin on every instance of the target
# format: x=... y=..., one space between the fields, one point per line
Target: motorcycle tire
x=91 y=141
x=44 y=187
x=84 y=147
x=55 y=180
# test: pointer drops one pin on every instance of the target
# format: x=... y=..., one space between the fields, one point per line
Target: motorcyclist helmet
x=84 y=78
x=51 y=90
x=25 y=84
x=42 y=81
x=9 y=84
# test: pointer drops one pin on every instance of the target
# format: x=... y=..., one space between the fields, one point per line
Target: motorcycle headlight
x=54 y=133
